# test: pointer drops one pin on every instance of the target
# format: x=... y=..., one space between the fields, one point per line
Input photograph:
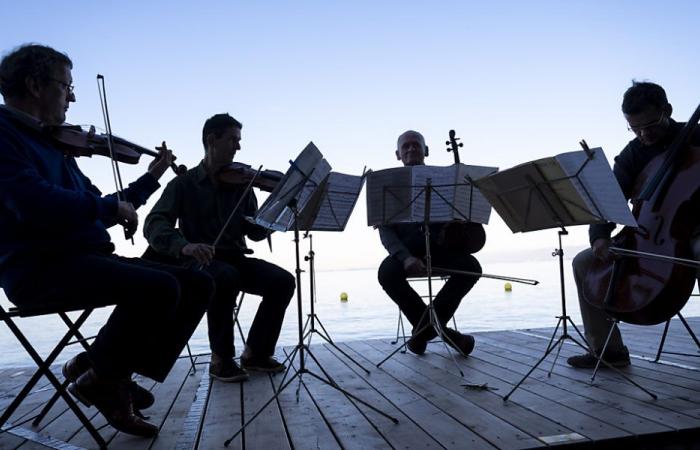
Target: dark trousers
x=233 y=273
x=157 y=307
x=393 y=279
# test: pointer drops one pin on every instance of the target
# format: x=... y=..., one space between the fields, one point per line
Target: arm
x=392 y=243
x=159 y=228
x=33 y=200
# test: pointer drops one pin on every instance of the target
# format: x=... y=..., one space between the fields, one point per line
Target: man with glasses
x=648 y=115
x=55 y=249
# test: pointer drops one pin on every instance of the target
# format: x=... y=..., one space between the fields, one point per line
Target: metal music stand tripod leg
x=301 y=349
x=312 y=317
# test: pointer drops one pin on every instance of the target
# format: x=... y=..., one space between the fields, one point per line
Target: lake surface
x=368 y=313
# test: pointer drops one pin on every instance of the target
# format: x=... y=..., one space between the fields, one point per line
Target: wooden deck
x=426 y=394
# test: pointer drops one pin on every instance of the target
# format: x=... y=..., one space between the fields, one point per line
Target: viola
x=73 y=140
x=651 y=289
x=241 y=174
x=467 y=235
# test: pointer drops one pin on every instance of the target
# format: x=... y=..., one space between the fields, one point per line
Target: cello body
x=646 y=291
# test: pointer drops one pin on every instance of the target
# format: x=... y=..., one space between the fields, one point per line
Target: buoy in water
x=508 y=287
x=343 y=296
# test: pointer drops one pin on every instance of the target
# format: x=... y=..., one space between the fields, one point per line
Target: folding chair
x=663 y=340
x=400 y=331
x=44 y=365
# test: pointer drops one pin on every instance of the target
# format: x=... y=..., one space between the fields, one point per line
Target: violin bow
x=102 y=92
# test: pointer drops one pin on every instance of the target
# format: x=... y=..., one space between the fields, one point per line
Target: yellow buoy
x=508 y=287
x=343 y=296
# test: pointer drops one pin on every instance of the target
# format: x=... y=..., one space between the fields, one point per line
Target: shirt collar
x=201 y=173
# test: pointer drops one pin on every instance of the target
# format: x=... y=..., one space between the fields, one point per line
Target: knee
x=227 y=282
x=287 y=285
x=389 y=270
x=581 y=261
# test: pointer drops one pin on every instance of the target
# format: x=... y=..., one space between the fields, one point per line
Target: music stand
x=296 y=188
x=330 y=210
x=413 y=203
x=575 y=188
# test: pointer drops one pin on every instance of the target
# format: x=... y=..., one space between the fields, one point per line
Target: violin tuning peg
x=461 y=144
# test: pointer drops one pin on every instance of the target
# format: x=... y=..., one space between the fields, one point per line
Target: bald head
x=411 y=149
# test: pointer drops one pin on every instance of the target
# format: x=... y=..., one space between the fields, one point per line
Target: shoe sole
x=235 y=379
x=263 y=369
x=73 y=389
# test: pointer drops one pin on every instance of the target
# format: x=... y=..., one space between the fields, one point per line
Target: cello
x=653 y=274
x=468 y=235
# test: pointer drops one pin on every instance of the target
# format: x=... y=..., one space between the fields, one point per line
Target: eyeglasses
x=639 y=128
x=68 y=87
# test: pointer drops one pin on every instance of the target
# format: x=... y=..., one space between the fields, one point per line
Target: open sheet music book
x=398 y=195
x=324 y=199
x=561 y=190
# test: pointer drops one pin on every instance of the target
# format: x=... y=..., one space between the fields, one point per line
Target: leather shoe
x=464 y=343
x=616 y=358
x=113 y=400
x=419 y=341
x=80 y=364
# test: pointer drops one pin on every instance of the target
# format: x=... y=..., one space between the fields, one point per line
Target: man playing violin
x=202 y=203
x=406 y=246
x=648 y=115
x=55 y=250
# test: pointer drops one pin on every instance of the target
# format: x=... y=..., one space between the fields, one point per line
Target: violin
x=73 y=140
x=467 y=235
x=654 y=284
x=239 y=174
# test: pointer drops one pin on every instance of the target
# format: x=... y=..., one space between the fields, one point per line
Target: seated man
x=55 y=249
x=203 y=204
x=406 y=246
x=648 y=115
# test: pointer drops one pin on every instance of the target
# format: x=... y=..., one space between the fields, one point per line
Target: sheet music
x=398 y=195
x=597 y=174
x=546 y=193
x=337 y=198
x=275 y=213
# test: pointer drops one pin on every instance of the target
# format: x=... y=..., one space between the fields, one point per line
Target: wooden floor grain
x=435 y=406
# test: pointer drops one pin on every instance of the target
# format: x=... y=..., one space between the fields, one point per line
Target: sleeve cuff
x=107 y=207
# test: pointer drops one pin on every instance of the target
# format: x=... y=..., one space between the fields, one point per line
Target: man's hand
x=202 y=253
x=162 y=162
x=601 y=249
x=414 y=266
x=126 y=216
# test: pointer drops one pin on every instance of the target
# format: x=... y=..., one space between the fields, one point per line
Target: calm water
x=368 y=313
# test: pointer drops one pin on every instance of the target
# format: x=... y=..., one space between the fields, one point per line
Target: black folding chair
x=44 y=365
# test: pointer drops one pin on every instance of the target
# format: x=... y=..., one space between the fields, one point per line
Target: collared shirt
x=201 y=207
x=629 y=164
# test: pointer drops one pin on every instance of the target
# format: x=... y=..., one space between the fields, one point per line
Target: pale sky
x=517 y=81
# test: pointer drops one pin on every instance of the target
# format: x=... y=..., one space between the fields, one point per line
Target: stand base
x=308 y=334
x=299 y=373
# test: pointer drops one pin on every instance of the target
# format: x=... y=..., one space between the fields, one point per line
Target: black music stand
x=402 y=204
x=555 y=193
x=335 y=200
x=295 y=188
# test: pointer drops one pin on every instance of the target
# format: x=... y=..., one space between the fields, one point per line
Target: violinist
x=55 y=248
x=202 y=201
x=406 y=246
x=648 y=114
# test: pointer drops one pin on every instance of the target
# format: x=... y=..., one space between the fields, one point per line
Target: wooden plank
x=268 y=429
x=674 y=393
x=223 y=415
x=405 y=434
x=350 y=427
x=306 y=425
x=574 y=387
x=541 y=418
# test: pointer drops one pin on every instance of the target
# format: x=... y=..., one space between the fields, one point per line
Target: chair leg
x=663 y=340
x=44 y=369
